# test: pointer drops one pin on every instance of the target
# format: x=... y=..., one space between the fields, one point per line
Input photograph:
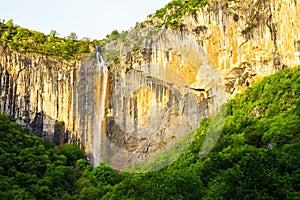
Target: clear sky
x=87 y=18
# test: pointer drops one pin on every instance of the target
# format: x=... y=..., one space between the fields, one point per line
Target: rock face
x=52 y=97
x=163 y=84
x=37 y=90
x=249 y=39
x=158 y=95
x=216 y=53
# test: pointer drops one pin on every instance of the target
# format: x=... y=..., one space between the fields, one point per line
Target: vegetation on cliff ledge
x=24 y=40
x=171 y=14
x=256 y=157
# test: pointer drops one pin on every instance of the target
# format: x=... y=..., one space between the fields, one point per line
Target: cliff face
x=249 y=39
x=163 y=84
x=36 y=90
x=52 y=97
x=177 y=77
x=158 y=94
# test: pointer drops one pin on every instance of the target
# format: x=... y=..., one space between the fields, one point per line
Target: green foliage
x=24 y=40
x=70 y=151
x=256 y=157
x=137 y=44
x=105 y=174
x=53 y=33
x=174 y=10
x=59 y=123
x=113 y=57
x=260 y=124
x=31 y=168
x=114 y=35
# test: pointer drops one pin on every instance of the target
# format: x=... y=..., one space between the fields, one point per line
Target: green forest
x=28 y=41
x=256 y=157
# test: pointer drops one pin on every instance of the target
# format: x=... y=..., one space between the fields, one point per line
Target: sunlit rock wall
x=51 y=97
x=215 y=54
x=36 y=90
x=247 y=40
x=250 y=39
x=158 y=95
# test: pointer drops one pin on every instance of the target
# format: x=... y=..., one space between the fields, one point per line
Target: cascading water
x=100 y=108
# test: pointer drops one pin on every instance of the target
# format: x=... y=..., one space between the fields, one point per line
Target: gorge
x=163 y=83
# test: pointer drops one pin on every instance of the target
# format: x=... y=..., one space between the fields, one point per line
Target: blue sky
x=87 y=18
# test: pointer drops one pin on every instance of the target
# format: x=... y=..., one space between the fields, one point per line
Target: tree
x=114 y=32
x=72 y=36
x=10 y=23
x=53 y=33
x=71 y=151
x=105 y=174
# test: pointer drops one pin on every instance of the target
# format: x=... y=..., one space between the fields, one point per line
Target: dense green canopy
x=24 y=40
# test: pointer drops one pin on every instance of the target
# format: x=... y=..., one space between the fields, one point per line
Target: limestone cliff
x=158 y=94
x=246 y=40
x=167 y=80
x=36 y=90
x=161 y=83
x=52 y=97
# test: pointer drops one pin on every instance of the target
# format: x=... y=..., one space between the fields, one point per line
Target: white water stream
x=97 y=133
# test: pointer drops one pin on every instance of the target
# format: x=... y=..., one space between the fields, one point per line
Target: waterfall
x=100 y=108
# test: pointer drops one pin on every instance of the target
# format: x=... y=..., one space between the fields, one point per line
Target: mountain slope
x=256 y=157
x=219 y=45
